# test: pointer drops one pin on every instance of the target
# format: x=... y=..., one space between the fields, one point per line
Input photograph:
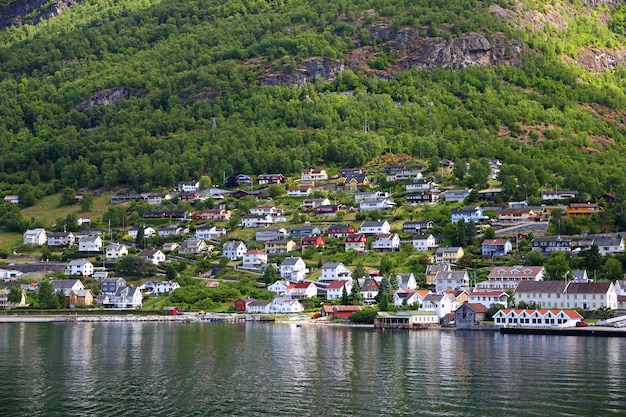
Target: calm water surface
x=169 y=369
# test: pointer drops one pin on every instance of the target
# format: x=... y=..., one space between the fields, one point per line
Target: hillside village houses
x=293 y=269
x=61 y=239
x=35 y=237
x=443 y=288
x=90 y=243
x=116 y=251
x=234 y=250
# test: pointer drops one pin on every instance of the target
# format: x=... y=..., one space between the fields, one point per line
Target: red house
x=169 y=311
x=357 y=242
x=241 y=304
x=341 y=230
x=271 y=179
x=339 y=312
x=330 y=210
x=315 y=241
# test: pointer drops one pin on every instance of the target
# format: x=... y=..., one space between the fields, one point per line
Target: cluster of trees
x=196 y=108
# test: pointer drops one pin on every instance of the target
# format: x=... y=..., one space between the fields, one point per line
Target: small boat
x=298 y=325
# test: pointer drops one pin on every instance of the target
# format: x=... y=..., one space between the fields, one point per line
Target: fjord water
x=257 y=369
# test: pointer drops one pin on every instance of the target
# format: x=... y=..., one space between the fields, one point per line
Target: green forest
x=198 y=104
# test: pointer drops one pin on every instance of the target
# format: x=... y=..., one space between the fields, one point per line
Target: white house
x=537 y=318
x=567 y=294
x=209 y=232
x=441 y=304
x=406 y=281
x=375 y=227
x=472 y=214
x=234 y=250
x=386 y=242
x=404 y=297
x=35 y=237
x=293 y=269
x=61 y=239
x=424 y=243
x=79 y=267
x=299 y=191
x=173 y=230
x=165 y=287
x=189 y=186
x=265 y=210
x=304 y=289
x=496 y=247
x=314 y=175
x=335 y=270
x=257 y=220
x=335 y=288
x=254 y=258
x=90 y=243
x=489 y=298
x=116 y=251
x=420 y=185
x=284 y=305
x=376 y=204
x=148 y=232
x=279 y=287
x=125 y=298
x=194 y=246
x=451 y=280
x=154 y=256
x=259 y=307
x=311 y=203
x=609 y=245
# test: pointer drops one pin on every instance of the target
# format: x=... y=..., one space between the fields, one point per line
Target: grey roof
x=78 y=262
x=607 y=241
x=446 y=249
x=259 y=303
x=433 y=298
x=62 y=284
x=331 y=265
x=291 y=260
x=372 y=224
x=541 y=286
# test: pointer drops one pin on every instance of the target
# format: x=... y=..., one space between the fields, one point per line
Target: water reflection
x=150 y=369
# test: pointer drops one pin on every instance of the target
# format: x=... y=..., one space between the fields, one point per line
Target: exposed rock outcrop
x=309 y=69
x=107 y=97
x=32 y=11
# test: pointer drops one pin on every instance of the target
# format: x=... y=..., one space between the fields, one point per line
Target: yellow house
x=582 y=209
x=449 y=255
x=279 y=246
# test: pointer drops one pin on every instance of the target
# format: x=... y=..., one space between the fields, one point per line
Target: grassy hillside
x=143 y=94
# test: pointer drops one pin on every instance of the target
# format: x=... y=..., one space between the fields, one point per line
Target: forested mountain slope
x=143 y=93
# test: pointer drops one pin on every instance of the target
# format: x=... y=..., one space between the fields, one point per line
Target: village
x=393 y=241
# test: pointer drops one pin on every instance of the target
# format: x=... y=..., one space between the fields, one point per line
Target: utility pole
x=366 y=126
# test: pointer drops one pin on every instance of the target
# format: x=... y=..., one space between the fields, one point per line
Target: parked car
x=581 y=324
x=620 y=324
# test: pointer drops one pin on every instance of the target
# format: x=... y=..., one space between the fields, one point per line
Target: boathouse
x=406 y=320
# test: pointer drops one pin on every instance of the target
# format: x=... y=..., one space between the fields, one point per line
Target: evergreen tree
x=139 y=240
x=61 y=299
x=46 y=296
x=345 y=300
x=384 y=288
x=383 y=304
x=355 y=294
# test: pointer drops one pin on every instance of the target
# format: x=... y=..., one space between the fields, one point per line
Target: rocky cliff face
x=32 y=11
x=415 y=51
x=107 y=97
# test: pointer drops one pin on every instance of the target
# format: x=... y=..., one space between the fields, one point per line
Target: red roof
x=487 y=293
x=494 y=242
x=337 y=284
x=302 y=285
x=255 y=252
x=477 y=307
x=340 y=309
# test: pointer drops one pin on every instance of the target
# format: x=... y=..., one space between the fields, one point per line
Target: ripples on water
x=169 y=369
